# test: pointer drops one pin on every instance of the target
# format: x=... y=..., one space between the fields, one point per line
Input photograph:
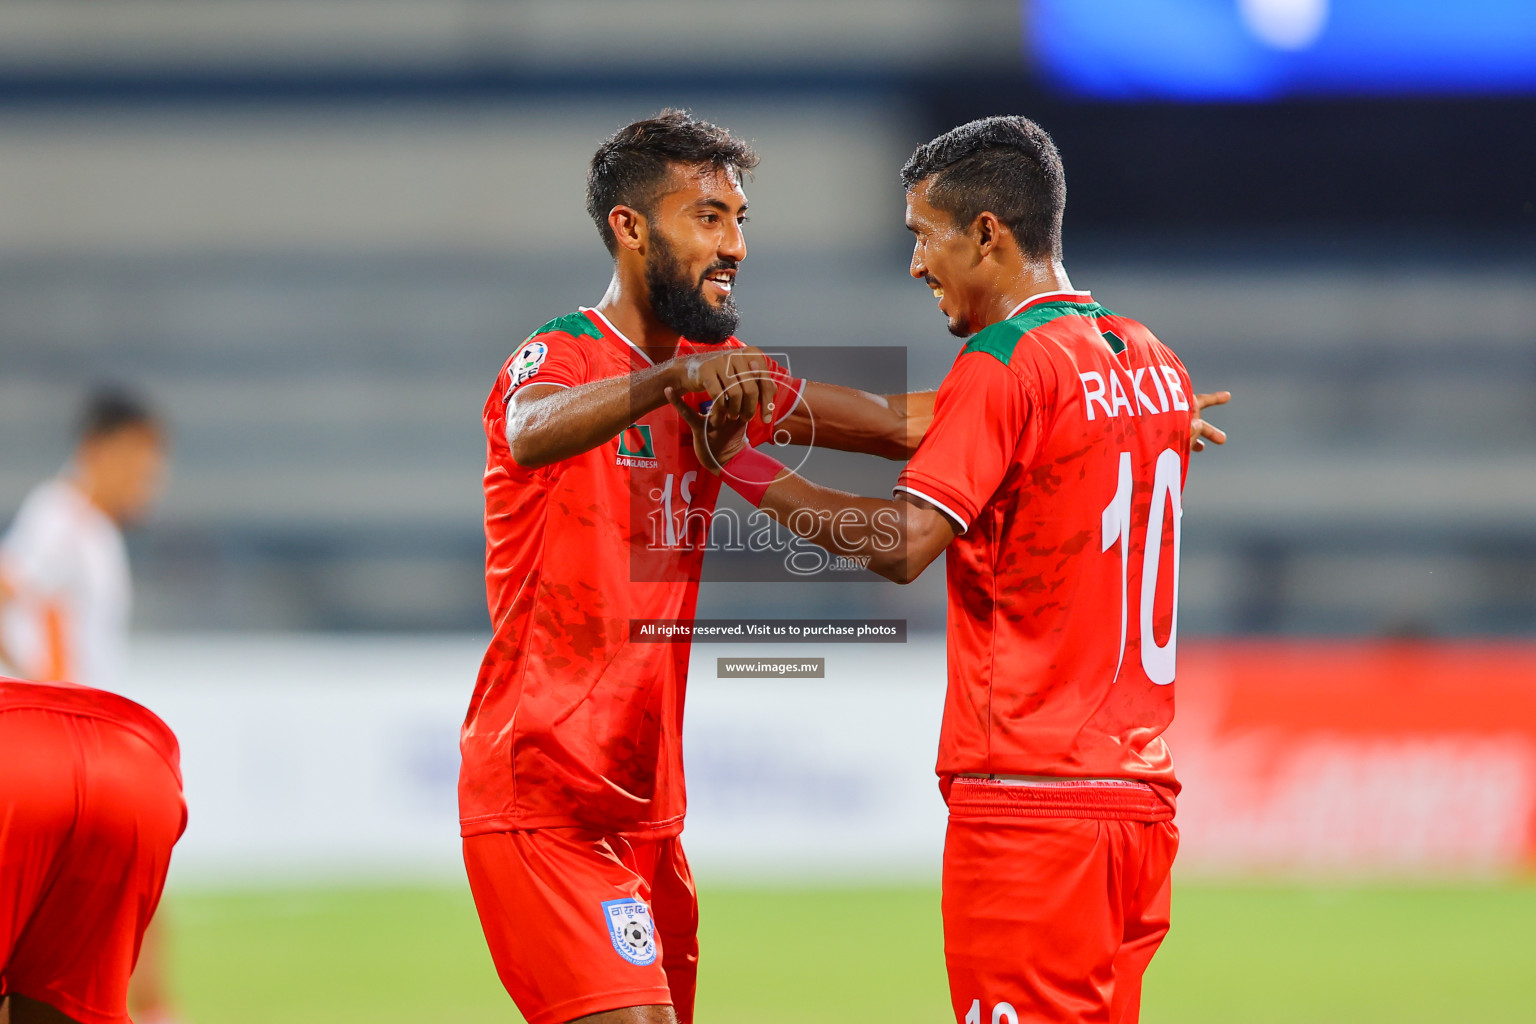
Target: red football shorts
x=89 y=811
x=581 y=922
x=1056 y=896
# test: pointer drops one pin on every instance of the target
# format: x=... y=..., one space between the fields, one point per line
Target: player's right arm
x=7 y=595
x=979 y=417
x=548 y=422
x=35 y=559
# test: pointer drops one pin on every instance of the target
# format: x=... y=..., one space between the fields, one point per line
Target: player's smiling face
x=946 y=258
x=695 y=247
x=702 y=220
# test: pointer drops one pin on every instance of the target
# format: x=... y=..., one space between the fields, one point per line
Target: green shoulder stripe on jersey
x=574 y=324
x=1002 y=338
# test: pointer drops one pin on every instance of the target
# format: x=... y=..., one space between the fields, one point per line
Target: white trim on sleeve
x=957 y=517
x=531 y=380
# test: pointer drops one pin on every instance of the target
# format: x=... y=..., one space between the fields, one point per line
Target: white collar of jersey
x=618 y=333
x=1035 y=298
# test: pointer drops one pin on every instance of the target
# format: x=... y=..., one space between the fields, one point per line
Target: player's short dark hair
x=631 y=168
x=1006 y=165
x=111 y=408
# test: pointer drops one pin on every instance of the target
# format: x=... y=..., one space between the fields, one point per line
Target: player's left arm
x=892 y=426
x=850 y=420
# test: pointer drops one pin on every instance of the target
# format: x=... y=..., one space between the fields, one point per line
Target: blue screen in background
x=1266 y=49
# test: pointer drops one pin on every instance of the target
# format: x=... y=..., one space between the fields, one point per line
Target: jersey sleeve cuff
x=514 y=389
x=799 y=387
x=940 y=498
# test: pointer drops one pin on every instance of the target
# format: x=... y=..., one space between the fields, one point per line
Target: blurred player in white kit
x=65 y=588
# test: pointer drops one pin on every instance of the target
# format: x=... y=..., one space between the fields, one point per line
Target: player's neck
x=628 y=309
x=1028 y=280
x=86 y=484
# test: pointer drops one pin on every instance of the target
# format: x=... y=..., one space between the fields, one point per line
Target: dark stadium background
x=1358 y=270
x=313 y=231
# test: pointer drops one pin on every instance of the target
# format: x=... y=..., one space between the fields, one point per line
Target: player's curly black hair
x=1006 y=165
x=630 y=168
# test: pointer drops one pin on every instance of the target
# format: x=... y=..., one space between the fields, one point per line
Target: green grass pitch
x=1238 y=954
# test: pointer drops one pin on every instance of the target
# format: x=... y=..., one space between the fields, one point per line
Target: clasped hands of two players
x=740 y=386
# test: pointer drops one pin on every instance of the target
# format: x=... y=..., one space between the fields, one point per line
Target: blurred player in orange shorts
x=1052 y=473
x=65 y=588
x=90 y=806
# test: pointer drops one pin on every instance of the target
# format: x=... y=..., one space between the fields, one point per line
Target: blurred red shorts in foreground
x=90 y=806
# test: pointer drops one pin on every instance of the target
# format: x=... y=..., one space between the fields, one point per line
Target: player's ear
x=628 y=226
x=985 y=230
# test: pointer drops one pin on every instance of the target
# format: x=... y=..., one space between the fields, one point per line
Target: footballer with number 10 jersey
x=1051 y=477
x=1057 y=464
x=1060 y=443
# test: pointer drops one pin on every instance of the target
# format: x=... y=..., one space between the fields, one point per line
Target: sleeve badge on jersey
x=526 y=363
x=631 y=929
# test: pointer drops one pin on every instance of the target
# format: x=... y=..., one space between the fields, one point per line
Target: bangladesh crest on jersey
x=631 y=930
x=635 y=446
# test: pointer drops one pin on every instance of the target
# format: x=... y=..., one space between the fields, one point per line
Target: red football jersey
x=1060 y=441
x=571 y=724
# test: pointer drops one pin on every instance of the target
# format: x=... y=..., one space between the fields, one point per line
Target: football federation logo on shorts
x=630 y=928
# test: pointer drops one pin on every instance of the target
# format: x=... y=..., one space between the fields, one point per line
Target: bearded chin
x=680 y=303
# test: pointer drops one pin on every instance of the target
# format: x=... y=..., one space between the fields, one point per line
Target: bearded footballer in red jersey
x=1052 y=474
x=571 y=789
